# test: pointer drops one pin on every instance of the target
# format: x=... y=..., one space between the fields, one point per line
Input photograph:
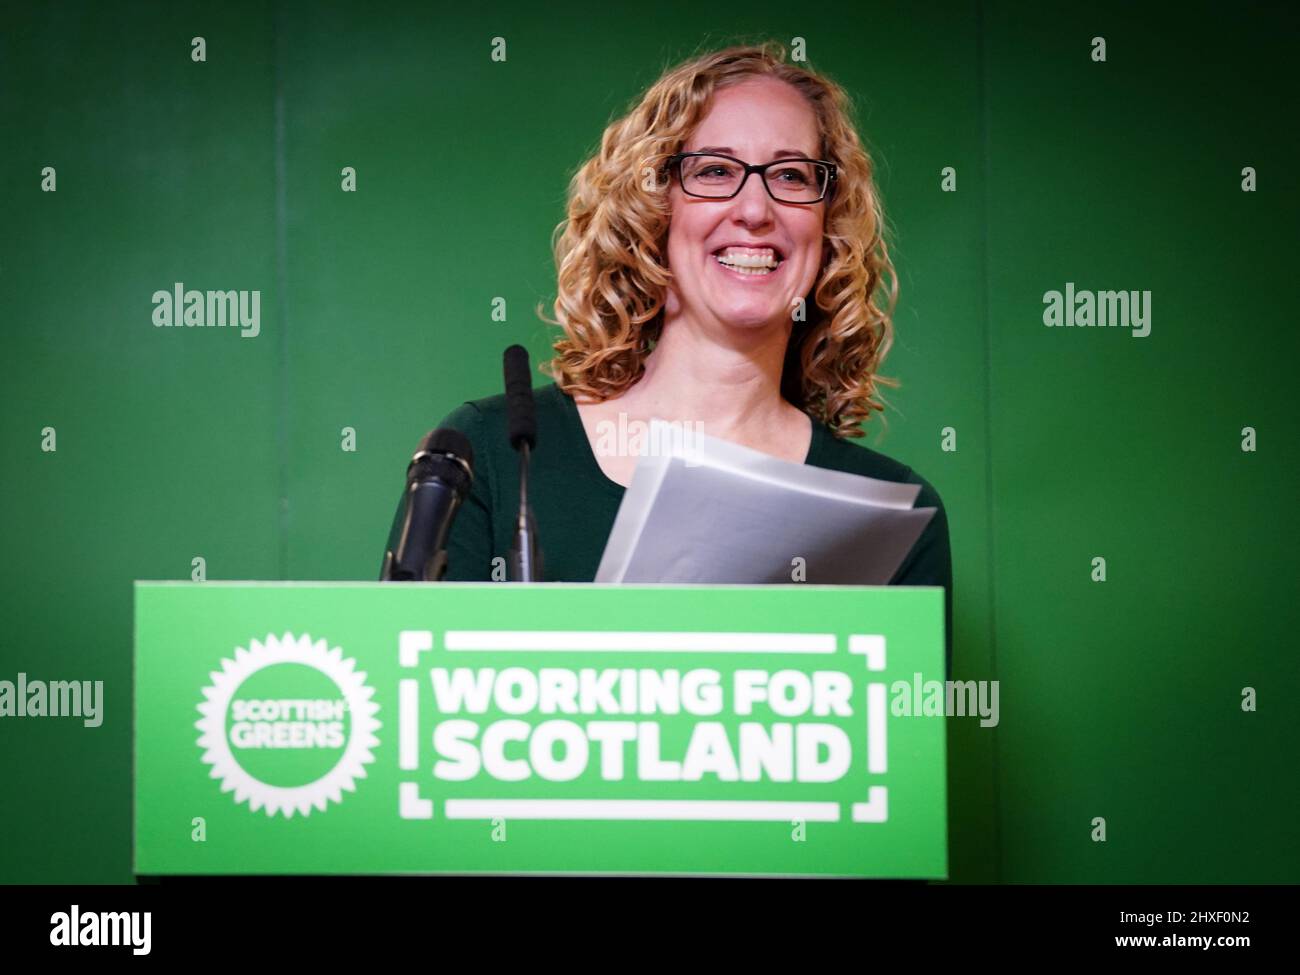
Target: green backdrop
x=1119 y=699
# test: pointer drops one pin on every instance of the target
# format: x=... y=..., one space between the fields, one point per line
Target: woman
x=767 y=331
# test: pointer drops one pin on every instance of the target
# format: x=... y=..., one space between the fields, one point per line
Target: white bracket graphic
x=412 y=643
x=871 y=646
x=875 y=809
x=409 y=803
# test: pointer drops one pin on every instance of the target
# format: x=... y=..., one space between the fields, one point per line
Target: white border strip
x=628 y=641
x=877 y=720
x=659 y=809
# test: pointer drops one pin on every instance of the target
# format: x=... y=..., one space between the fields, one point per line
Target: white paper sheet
x=709 y=511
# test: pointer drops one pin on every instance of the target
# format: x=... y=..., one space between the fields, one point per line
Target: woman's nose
x=753 y=201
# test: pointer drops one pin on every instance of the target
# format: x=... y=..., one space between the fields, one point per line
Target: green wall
x=1118 y=699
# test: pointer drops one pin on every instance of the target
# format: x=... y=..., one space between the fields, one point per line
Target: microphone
x=525 y=554
x=520 y=413
x=437 y=480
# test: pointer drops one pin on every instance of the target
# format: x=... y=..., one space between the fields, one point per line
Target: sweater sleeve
x=929 y=563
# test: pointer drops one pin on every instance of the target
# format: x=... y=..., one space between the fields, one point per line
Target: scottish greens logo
x=288 y=725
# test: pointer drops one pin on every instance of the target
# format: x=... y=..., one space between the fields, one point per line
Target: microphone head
x=443 y=452
x=446 y=440
x=520 y=413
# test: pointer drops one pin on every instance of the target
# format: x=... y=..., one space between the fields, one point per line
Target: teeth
x=738 y=258
x=746 y=270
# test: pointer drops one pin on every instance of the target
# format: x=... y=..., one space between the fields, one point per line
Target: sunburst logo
x=288 y=725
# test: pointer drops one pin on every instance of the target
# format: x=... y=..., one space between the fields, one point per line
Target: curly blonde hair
x=612 y=280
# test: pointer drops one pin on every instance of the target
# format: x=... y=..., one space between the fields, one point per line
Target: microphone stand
x=525 y=559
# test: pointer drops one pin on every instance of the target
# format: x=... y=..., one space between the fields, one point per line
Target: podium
x=368 y=728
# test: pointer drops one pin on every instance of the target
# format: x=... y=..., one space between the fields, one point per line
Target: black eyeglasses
x=710 y=176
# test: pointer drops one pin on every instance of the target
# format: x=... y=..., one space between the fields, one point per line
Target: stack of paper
x=704 y=510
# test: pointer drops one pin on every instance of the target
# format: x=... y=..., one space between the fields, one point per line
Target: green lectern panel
x=366 y=728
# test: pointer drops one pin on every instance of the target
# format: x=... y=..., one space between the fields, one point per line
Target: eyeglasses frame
x=674 y=162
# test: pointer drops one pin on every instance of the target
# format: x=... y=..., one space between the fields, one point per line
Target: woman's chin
x=745 y=315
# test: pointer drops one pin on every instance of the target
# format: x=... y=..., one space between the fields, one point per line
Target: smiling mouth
x=758 y=262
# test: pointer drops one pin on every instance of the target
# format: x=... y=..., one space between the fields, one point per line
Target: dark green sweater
x=575 y=503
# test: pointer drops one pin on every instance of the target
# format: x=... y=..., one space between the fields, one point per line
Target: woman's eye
x=798 y=176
